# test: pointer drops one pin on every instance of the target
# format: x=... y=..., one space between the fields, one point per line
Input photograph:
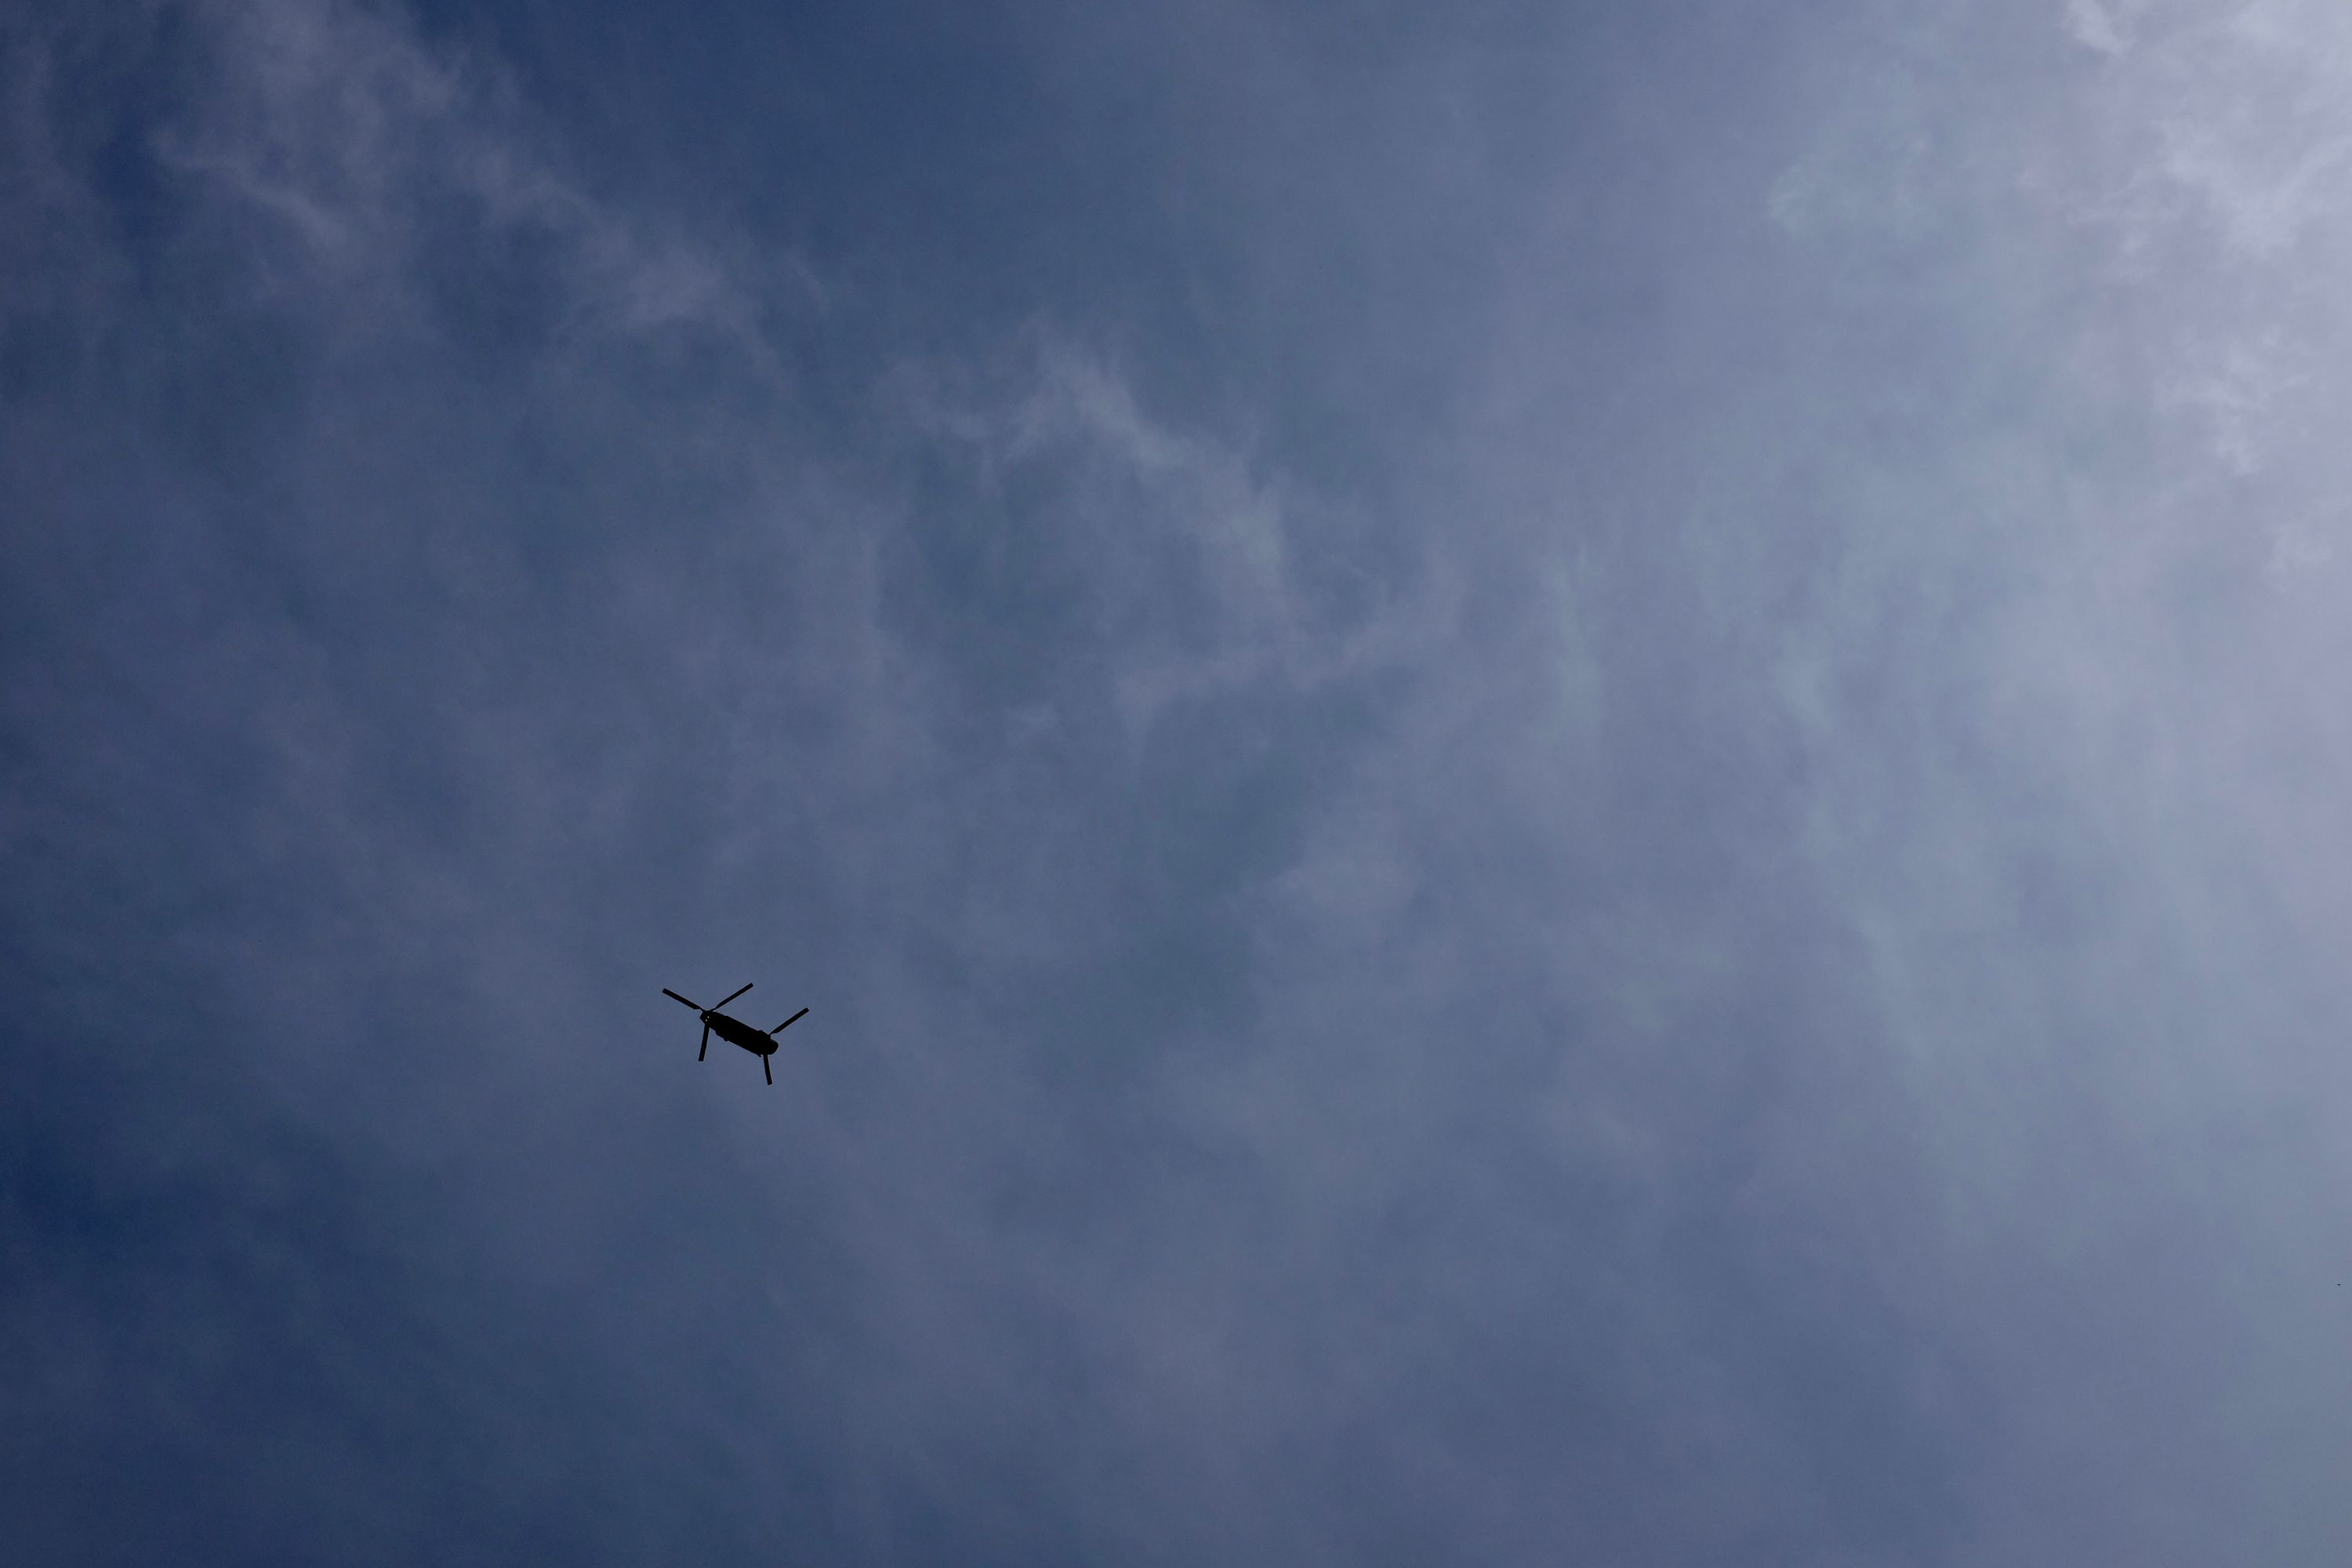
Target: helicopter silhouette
x=761 y=1043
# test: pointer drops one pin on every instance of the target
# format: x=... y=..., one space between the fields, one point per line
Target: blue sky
x=1553 y=784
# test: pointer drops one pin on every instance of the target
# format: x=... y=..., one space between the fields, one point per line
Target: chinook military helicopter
x=761 y=1043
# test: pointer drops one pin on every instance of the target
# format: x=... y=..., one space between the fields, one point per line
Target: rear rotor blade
x=706 y=1044
x=763 y=1068
x=730 y=998
x=789 y=1022
x=676 y=997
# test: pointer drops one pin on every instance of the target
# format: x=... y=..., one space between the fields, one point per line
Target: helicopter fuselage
x=735 y=1032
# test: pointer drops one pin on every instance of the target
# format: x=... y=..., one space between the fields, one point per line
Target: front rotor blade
x=676 y=997
x=730 y=998
x=789 y=1022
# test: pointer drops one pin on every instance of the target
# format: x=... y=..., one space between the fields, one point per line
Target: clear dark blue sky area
x=1553 y=784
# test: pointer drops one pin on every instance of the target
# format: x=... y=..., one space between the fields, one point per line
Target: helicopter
x=761 y=1043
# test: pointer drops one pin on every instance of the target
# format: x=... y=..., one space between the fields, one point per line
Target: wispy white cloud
x=347 y=150
x=1181 y=543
